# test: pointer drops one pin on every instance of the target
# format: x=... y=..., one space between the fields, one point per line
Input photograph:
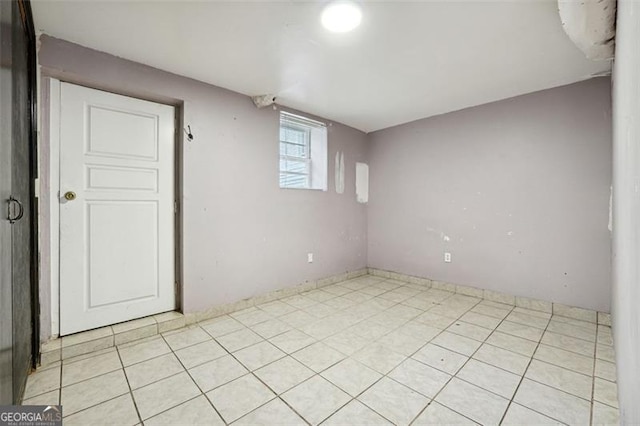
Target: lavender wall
x=517 y=191
x=241 y=235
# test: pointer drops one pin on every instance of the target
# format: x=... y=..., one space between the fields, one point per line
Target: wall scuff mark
x=439 y=233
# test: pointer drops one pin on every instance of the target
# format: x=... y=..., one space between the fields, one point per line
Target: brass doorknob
x=70 y=195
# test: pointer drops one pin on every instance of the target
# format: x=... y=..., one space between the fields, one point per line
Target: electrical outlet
x=310 y=257
x=447 y=257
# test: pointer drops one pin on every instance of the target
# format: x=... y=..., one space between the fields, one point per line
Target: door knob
x=70 y=195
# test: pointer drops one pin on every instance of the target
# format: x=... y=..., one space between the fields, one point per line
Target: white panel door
x=116 y=208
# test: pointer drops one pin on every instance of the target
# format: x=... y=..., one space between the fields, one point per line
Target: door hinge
x=175 y=207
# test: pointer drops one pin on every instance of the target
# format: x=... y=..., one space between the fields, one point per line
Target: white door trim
x=54 y=205
x=54 y=194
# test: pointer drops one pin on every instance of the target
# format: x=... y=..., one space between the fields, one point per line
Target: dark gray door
x=6 y=314
x=17 y=219
x=21 y=187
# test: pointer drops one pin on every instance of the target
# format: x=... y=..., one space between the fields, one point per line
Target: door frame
x=54 y=191
x=32 y=63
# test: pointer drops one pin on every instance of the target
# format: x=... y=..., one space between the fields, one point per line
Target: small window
x=303 y=152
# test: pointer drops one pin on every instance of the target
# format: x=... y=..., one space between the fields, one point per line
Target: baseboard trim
x=216 y=311
x=582 y=314
x=76 y=345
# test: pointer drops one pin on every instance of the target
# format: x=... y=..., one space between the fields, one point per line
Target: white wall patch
x=339 y=172
x=610 y=225
x=362 y=182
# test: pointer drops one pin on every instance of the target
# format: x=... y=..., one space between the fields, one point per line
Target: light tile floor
x=364 y=351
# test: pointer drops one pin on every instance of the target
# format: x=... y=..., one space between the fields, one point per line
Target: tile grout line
x=135 y=404
x=277 y=396
x=99 y=403
x=558 y=389
x=459 y=369
x=593 y=378
x=91 y=377
x=251 y=372
x=202 y=393
x=109 y=372
x=60 y=389
x=524 y=373
x=432 y=400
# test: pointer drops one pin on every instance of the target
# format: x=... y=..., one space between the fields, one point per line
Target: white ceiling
x=408 y=60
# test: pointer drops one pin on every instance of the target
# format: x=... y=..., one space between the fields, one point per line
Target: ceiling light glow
x=341 y=16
